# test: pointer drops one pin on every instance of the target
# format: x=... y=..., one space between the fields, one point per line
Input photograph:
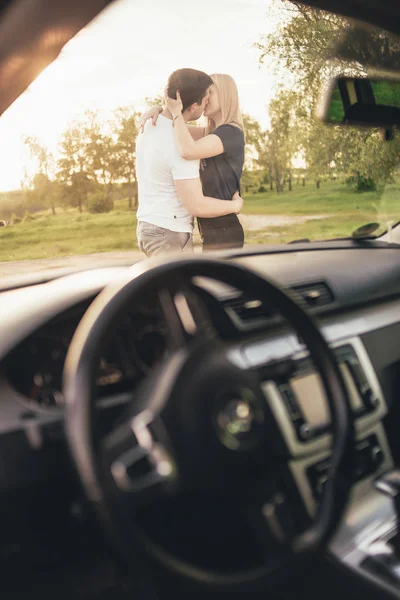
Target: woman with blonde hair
x=220 y=147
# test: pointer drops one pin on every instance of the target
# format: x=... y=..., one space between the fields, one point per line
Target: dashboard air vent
x=251 y=311
x=248 y=310
x=315 y=294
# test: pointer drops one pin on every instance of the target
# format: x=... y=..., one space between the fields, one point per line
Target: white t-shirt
x=158 y=164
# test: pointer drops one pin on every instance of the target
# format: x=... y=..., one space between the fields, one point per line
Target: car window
x=69 y=183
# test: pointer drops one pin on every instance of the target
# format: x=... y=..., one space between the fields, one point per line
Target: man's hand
x=237 y=203
x=174 y=106
x=151 y=113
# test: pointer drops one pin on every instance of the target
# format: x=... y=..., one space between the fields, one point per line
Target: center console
x=368 y=541
x=310 y=418
x=298 y=403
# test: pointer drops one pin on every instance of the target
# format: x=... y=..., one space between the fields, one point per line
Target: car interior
x=200 y=425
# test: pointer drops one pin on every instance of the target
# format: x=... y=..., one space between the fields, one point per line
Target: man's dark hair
x=191 y=84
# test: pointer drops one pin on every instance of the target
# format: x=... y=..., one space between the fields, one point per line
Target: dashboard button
x=305 y=432
x=377 y=455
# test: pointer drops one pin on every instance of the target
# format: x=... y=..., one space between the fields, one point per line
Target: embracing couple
x=184 y=171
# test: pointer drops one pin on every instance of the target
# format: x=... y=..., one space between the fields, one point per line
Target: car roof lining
x=33 y=32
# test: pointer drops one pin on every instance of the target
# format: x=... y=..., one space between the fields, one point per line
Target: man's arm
x=190 y=194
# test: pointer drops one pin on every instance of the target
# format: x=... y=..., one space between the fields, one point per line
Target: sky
x=126 y=54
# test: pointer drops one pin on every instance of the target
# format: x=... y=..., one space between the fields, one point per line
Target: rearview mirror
x=361 y=101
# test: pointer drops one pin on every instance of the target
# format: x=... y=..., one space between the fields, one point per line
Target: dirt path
x=257 y=222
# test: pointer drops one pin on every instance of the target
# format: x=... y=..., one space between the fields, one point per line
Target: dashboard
x=353 y=292
x=34 y=368
x=38 y=322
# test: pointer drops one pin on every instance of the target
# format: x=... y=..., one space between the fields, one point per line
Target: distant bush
x=262 y=189
x=361 y=183
x=99 y=202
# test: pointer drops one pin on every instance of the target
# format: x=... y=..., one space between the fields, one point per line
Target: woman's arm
x=197 y=133
x=189 y=148
x=153 y=113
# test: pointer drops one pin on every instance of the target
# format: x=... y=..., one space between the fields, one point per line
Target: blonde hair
x=229 y=102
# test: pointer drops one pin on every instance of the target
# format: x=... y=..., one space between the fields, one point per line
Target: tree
x=155 y=100
x=45 y=168
x=72 y=171
x=100 y=152
x=320 y=149
x=305 y=45
x=282 y=141
x=367 y=159
x=125 y=130
x=254 y=171
x=250 y=181
x=255 y=139
x=45 y=192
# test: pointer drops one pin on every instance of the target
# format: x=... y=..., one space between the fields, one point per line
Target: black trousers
x=221 y=233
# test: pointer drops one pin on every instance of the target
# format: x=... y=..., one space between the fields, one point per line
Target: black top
x=220 y=175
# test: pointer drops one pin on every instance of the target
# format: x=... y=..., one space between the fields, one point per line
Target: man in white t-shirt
x=165 y=219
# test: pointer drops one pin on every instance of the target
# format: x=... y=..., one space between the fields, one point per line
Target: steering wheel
x=199 y=422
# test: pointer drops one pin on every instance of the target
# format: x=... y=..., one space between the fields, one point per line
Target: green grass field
x=267 y=218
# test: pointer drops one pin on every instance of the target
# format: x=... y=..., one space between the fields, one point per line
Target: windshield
x=76 y=180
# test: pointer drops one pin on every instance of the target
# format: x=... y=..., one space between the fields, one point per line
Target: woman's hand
x=237 y=203
x=174 y=106
x=151 y=113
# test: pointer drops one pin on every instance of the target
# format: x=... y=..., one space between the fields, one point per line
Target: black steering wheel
x=200 y=421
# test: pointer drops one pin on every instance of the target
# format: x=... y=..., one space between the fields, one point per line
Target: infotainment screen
x=311 y=398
